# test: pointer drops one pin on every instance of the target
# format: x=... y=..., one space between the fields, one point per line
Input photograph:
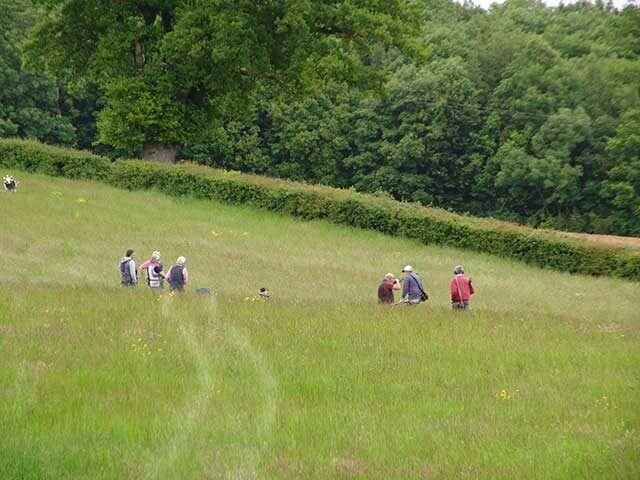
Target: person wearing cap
x=387 y=286
x=461 y=289
x=178 y=276
x=412 y=289
x=155 y=274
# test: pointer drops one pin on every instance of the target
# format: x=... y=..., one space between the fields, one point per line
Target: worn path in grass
x=540 y=381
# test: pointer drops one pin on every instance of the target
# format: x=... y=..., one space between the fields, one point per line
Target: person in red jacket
x=386 y=288
x=461 y=289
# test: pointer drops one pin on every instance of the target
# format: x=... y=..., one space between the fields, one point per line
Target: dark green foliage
x=30 y=104
x=344 y=207
x=524 y=112
x=622 y=186
x=33 y=156
x=511 y=117
x=37 y=105
x=170 y=70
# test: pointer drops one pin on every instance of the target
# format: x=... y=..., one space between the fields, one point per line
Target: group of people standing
x=177 y=276
x=413 y=291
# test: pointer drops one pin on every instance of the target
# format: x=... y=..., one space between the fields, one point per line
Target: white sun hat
x=407 y=268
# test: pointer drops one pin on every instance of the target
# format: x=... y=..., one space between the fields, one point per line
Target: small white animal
x=10 y=183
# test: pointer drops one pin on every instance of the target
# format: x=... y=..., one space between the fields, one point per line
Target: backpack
x=176 y=279
x=125 y=274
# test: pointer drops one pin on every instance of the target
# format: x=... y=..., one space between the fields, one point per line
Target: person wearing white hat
x=155 y=274
x=412 y=289
x=178 y=276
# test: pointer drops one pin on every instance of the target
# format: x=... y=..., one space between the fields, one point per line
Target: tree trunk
x=159 y=152
x=138 y=53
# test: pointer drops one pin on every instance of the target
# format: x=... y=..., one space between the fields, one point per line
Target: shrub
x=34 y=156
x=344 y=207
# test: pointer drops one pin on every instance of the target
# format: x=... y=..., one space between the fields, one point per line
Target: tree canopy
x=31 y=104
x=171 y=70
x=522 y=112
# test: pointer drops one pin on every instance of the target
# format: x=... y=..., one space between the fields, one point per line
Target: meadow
x=540 y=380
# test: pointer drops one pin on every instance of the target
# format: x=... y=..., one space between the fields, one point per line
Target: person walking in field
x=178 y=276
x=386 y=288
x=461 y=289
x=155 y=274
x=128 y=275
x=412 y=288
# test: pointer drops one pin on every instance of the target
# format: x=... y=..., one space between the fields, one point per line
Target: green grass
x=101 y=382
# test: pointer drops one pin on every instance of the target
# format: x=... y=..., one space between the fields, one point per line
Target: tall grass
x=539 y=381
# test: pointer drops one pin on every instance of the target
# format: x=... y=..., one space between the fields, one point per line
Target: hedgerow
x=345 y=207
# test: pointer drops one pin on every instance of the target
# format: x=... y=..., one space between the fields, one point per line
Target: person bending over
x=386 y=288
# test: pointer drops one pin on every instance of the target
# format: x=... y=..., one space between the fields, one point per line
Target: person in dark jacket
x=412 y=288
x=178 y=276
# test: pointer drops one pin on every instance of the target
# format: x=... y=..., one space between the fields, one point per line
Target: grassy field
x=541 y=380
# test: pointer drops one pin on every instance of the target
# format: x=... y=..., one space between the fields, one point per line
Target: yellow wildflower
x=503 y=395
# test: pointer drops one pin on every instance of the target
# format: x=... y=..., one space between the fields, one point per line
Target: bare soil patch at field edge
x=611 y=240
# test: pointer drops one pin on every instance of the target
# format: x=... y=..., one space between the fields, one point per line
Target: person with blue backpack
x=128 y=276
x=178 y=276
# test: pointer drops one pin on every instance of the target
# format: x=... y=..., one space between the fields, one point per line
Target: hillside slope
x=430 y=226
x=98 y=382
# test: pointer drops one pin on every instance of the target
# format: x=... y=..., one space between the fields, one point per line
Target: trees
x=521 y=112
x=510 y=117
x=31 y=105
x=172 y=69
x=622 y=186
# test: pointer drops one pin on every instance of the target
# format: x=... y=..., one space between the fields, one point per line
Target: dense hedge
x=345 y=207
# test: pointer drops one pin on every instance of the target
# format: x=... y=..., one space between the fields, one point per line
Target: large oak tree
x=171 y=69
